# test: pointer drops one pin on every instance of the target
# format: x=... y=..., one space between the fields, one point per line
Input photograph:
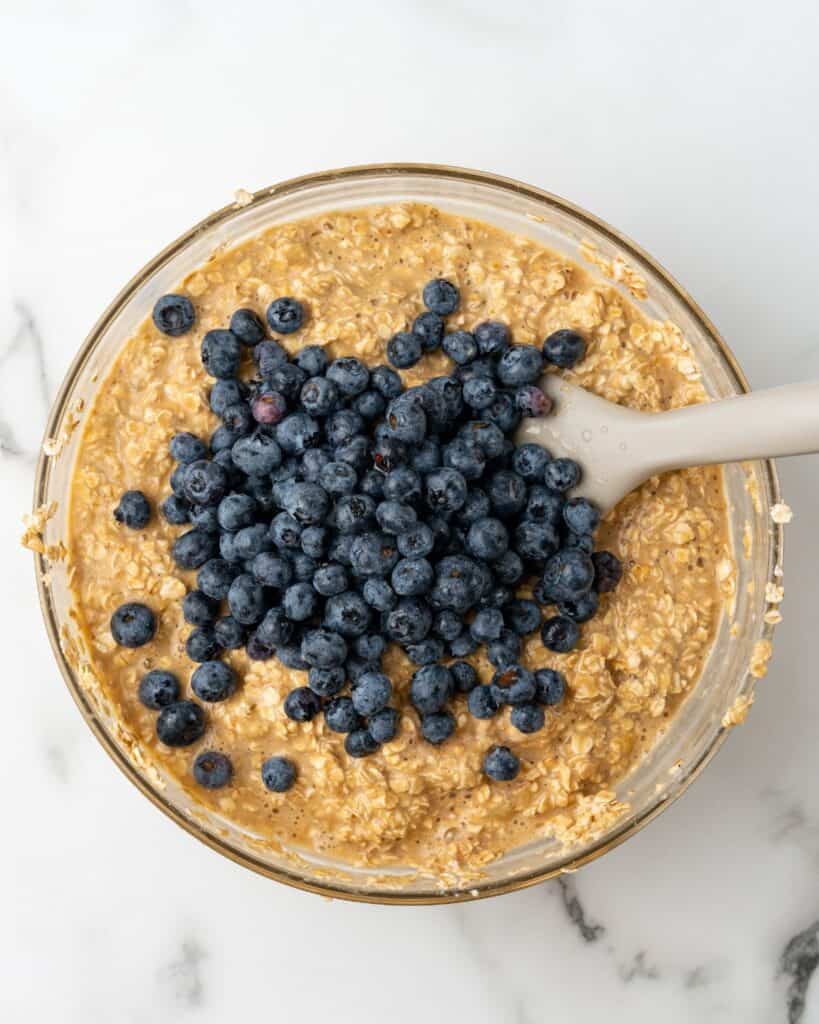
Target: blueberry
x=308 y=503
x=370 y=405
x=535 y=541
x=225 y=393
x=431 y=688
x=521 y=364
x=246 y=600
x=379 y=595
x=370 y=647
x=202 y=644
x=481 y=367
x=215 y=577
x=133 y=625
x=360 y=743
x=298 y=432
x=285 y=315
x=319 y=396
x=173 y=315
x=205 y=483
x=409 y=622
x=354 y=513
x=212 y=769
x=290 y=656
x=479 y=393
x=488 y=436
x=504 y=651
x=581 y=515
x=465 y=676
x=487 y=625
x=222 y=438
x=301 y=704
x=278 y=774
x=493 y=337
x=229 y=633
x=429 y=329
x=383 y=725
x=529 y=461
x=446 y=490
x=447 y=624
x=180 y=724
x=205 y=518
x=417 y=542
x=312 y=359
x=133 y=510
x=437 y=728
x=508 y=569
x=463 y=645
x=278 y=374
x=386 y=381
x=475 y=507
x=458 y=583
x=312 y=463
x=372 y=692
x=275 y=628
x=544 y=505
x=466 y=457
x=236 y=511
x=501 y=764
x=441 y=296
x=257 y=650
x=186 y=447
x=356 y=453
x=514 y=685
x=341 y=546
x=238 y=419
x=507 y=493
x=412 y=576
x=326 y=682
x=460 y=346
x=285 y=531
x=341 y=716
x=158 y=689
x=429 y=651
x=551 y=686
x=481 y=702
x=404 y=350
x=257 y=453
x=608 y=571
x=395 y=517
x=347 y=613
x=343 y=426
x=487 y=539
x=503 y=413
x=580 y=609
x=322 y=648
x=349 y=375
x=330 y=579
x=426 y=456
x=561 y=474
x=531 y=401
x=221 y=354
x=300 y=602
x=567 y=574
x=522 y=616
x=198 y=609
x=560 y=634
x=496 y=597
x=247 y=326
x=213 y=681
x=402 y=484
x=406 y=419
x=564 y=348
x=175 y=510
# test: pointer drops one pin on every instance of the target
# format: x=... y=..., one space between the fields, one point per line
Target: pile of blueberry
x=334 y=511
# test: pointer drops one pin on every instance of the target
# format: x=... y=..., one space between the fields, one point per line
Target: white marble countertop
x=692 y=127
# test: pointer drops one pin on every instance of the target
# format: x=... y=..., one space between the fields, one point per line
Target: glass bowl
x=697 y=730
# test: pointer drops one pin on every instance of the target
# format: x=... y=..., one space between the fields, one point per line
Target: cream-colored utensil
x=618 y=448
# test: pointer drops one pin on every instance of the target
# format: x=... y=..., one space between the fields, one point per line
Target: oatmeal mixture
x=360 y=275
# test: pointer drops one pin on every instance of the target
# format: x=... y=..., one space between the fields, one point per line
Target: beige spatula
x=618 y=448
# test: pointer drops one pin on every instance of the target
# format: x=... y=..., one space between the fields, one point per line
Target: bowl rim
x=290 y=186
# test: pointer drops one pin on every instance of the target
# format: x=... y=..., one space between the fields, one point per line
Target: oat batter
x=411 y=803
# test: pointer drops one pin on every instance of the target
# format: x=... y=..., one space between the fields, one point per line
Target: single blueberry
x=527 y=718
x=412 y=576
x=383 y=725
x=531 y=401
x=238 y=419
x=229 y=633
x=307 y=502
x=463 y=645
x=322 y=648
x=180 y=724
x=409 y=622
x=300 y=602
x=223 y=438
x=406 y=419
x=213 y=681
x=298 y=432
x=487 y=538
x=560 y=634
x=370 y=405
x=404 y=350
x=402 y=484
x=564 y=348
x=438 y=727
x=429 y=329
x=551 y=686
x=314 y=541
x=372 y=692
x=343 y=426
x=341 y=716
x=133 y=510
x=236 y=511
x=535 y=541
x=225 y=393
x=514 y=685
x=285 y=378
x=312 y=359
x=580 y=609
x=221 y=354
x=175 y=510
x=246 y=600
x=481 y=702
x=319 y=396
x=608 y=571
x=202 y=644
x=522 y=616
x=466 y=457
x=301 y=704
x=347 y=613
x=581 y=515
x=327 y=682
x=395 y=517
x=215 y=577
x=285 y=315
x=158 y=689
x=431 y=688
x=386 y=381
x=446 y=491
x=360 y=743
x=487 y=625
x=275 y=628
x=503 y=413
x=544 y=505
x=447 y=624
x=567 y=574
x=198 y=609
x=465 y=676
x=278 y=774
x=479 y=393
x=205 y=518
x=247 y=326
x=212 y=769
x=173 y=315
x=488 y=436
x=257 y=453
x=389 y=452
x=379 y=595
x=290 y=656
x=356 y=453
x=441 y=296
x=529 y=461
x=561 y=474
x=521 y=364
x=186 y=447
x=504 y=651
x=205 y=483
x=429 y=651
x=507 y=493
x=417 y=542
x=133 y=625
x=493 y=337
x=508 y=569
x=501 y=764
x=460 y=346
x=349 y=375
x=285 y=531
x=354 y=513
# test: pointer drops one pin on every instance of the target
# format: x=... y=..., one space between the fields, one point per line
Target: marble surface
x=692 y=127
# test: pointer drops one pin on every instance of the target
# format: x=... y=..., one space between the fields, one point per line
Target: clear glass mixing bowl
x=695 y=733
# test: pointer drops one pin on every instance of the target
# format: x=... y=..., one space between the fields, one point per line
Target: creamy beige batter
x=361 y=275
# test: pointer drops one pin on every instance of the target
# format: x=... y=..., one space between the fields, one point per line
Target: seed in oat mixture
x=285 y=315
x=157 y=689
x=441 y=296
x=560 y=634
x=438 y=727
x=301 y=704
x=404 y=350
x=133 y=624
x=180 y=724
x=564 y=348
x=212 y=769
x=173 y=315
x=360 y=743
x=133 y=510
x=551 y=686
x=213 y=681
x=247 y=326
x=501 y=764
x=527 y=718
x=278 y=774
